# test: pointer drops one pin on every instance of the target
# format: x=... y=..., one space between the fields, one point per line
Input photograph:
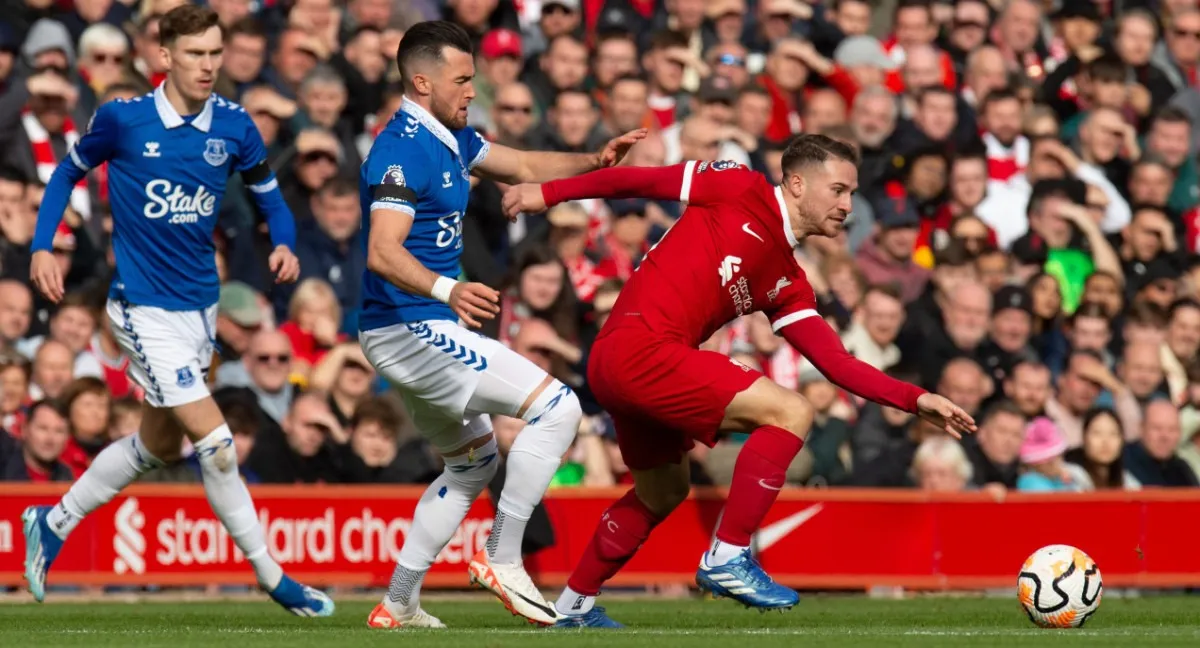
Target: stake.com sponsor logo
x=361 y=538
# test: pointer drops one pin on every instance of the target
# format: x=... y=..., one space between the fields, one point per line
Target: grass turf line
x=818 y=621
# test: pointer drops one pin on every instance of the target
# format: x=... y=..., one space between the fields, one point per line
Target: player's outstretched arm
x=95 y=147
x=388 y=258
x=814 y=338
x=653 y=183
x=511 y=166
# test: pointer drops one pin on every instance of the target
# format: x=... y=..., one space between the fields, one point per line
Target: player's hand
x=939 y=411
x=46 y=275
x=617 y=147
x=473 y=302
x=284 y=265
x=523 y=198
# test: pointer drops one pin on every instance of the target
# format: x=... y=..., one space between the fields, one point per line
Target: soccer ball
x=1059 y=587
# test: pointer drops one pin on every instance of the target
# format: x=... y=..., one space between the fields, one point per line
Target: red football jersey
x=730 y=254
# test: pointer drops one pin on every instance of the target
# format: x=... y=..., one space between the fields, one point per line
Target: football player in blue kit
x=414 y=185
x=169 y=155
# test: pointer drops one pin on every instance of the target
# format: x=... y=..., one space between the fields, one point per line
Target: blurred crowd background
x=1024 y=241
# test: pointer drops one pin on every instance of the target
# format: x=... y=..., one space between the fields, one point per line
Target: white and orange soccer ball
x=1059 y=587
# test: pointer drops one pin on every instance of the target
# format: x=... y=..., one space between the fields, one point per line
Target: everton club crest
x=214 y=152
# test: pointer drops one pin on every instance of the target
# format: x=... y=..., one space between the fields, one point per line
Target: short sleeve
x=476 y=148
x=713 y=182
x=797 y=301
x=99 y=143
x=397 y=174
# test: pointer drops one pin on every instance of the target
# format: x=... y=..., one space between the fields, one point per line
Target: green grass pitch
x=818 y=621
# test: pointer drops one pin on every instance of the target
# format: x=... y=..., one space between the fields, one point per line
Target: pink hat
x=1043 y=441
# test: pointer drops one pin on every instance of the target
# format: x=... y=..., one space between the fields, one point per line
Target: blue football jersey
x=167 y=175
x=420 y=169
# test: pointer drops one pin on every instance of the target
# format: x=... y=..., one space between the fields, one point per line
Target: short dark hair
x=12 y=174
x=186 y=20
x=666 y=39
x=1004 y=406
x=1089 y=309
x=380 y=411
x=1172 y=115
x=931 y=91
x=807 y=149
x=996 y=96
x=1181 y=304
x=1145 y=314
x=425 y=42
x=887 y=289
x=245 y=27
x=1108 y=68
x=955 y=254
x=338 y=187
x=52 y=404
x=913 y=4
x=575 y=90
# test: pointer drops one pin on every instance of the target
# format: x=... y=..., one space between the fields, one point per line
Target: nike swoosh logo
x=778 y=530
x=544 y=608
x=746 y=229
x=764 y=484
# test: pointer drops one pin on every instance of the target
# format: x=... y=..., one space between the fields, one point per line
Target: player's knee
x=556 y=409
x=474 y=470
x=216 y=452
x=664 y=489
x=794 y=414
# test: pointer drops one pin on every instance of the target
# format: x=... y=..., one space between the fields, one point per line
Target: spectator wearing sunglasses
x=265 y=369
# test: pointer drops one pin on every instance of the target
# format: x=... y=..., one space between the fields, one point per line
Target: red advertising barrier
x=827 y=539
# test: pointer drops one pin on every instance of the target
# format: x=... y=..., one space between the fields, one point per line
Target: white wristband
x=442 y=289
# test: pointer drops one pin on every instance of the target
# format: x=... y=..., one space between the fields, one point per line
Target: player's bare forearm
x=654 y=183
x=818 y=342
x=388 y=258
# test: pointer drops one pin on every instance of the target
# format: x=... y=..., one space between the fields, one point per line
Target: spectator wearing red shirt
x=37 y=457
x=314 y=317
x=87 y=403
x=14 y=392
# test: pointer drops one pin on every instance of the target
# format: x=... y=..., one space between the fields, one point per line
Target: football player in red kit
x=731 y=253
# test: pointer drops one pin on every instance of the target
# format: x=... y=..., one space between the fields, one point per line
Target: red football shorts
x=662 y=395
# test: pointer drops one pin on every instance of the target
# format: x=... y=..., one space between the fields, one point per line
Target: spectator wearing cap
x=994 y=451
x=317 y=158
x=1043 y=468
x=715 y=103
x=10 y=47
x=1079 y=386
x=239 y=316
x=1153 y=459
x=563 y=66
x=887 y=257
x=500 y=62
x=1009 y=334
x=37 y=457
x=625 y=244
x=1157 y=283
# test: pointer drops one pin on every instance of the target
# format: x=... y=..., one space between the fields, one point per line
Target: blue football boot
x=743 y=580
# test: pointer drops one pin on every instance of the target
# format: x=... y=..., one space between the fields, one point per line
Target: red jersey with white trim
x=730 y=254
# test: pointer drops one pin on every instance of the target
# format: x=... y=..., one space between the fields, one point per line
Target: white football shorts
x=452 y=379
x=169 y=351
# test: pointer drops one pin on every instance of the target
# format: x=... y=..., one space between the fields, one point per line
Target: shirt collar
x=170 y=117
x=787 y=222
x=430 y=122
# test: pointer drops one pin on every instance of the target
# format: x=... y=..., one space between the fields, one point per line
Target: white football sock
x=553 y=421
x=721 y=552
x=438 y=515
x=117 y=466
x=230 y=500
x=572 y=603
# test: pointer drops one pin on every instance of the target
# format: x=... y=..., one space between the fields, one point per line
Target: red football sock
x=622 y=530
x=758 y=475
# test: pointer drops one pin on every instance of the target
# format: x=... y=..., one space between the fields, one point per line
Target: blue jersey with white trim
x=167 y=175
x=418 y=169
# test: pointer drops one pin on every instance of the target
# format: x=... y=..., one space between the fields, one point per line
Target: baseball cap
x=1085 y=9
x=567 y=215
x=628 y=206
x=500 y=42
x=8 y=38
x=617 y=19
x=1043 y=442
x=862 y=50
x=1014 y=297
x=716 y=89
x=572 y=5
x=1159 y=268
x=239 y=303
x=897 y=212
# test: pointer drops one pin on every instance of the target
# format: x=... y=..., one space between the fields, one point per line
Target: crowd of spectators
x=1025 y=240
